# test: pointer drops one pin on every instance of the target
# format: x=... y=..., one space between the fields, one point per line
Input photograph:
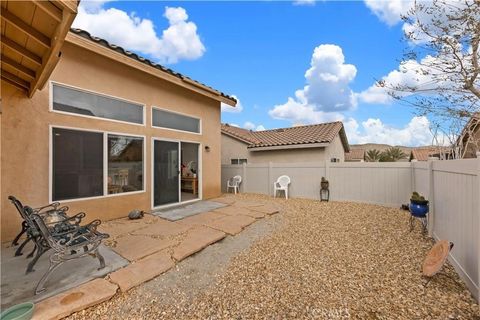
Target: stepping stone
x=226 y=200
x=163 y=228
x=124 y=226
x=267 y=209
x=135 y=247
x=73 y=300
x=196 y=239
x=232 y=224
x=247 y=204
x=201 y=219
x=242 y=211
x=142 y=270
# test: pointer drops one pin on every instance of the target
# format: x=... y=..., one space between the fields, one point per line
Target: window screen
x=170 y=120
x=125 y=164
x=95 y=105
x=77 y=164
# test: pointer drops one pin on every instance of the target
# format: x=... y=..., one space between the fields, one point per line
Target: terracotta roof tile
x=106 y=44
x=317 y=133
x=422 y=153
x=355 y=155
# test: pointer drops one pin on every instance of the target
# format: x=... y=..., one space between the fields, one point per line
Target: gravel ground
x=331 y=260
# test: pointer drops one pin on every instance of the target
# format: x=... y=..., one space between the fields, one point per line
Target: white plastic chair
x=281 y=184
x=234 y=183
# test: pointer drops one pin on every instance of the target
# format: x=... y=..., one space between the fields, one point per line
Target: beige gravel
x=331 y=260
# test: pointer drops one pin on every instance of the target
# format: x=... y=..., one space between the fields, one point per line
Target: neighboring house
x=468 y=143
x=424 y=153
x=313 y=143
x=109 y=133
x=355 y=155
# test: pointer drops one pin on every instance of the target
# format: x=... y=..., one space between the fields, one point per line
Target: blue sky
x=260 y=52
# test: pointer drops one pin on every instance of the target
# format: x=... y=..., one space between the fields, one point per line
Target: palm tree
x=373 y=155
x=392 y=154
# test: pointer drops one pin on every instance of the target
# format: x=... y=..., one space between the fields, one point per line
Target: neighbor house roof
x=355 y=155
x=151 y=67
x=311 y=135
x=423 y=153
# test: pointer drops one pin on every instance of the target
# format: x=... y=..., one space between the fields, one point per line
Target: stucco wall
x=233 y=149
x=25 y=133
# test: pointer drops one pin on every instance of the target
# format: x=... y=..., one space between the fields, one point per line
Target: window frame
x=51 y=109
x=104 y=160
x=238 y=161
x=200 y=124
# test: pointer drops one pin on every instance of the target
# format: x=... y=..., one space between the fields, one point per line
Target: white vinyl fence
x=453 y=188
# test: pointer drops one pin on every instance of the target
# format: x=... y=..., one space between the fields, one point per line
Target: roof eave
x=236 y=137
x=289 y=146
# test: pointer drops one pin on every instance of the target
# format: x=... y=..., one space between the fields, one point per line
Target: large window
x=78 y=169
x=77 y=164
x=125 y=164
x=171 y=120
x=91 y=104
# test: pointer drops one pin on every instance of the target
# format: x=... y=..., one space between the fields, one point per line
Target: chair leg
x=41 y=284
x=40 y=252
x=274 y=193
x=286 y=194
x=19 y=250
x=24 y=229
x=100 y=259
x=33 y=252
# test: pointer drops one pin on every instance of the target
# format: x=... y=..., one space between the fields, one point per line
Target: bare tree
x=443 y=54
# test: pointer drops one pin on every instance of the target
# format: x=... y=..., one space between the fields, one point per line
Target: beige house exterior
x=315 y=143
x=91 y=66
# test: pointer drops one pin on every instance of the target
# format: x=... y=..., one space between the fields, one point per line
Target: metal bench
x=68 y=242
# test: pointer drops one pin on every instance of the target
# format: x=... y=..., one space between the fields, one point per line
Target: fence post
x=244 y=179
x=269 y=179
x=478 y=212
x=431 y=198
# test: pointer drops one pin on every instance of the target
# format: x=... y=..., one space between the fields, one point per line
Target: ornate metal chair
x=72 y=242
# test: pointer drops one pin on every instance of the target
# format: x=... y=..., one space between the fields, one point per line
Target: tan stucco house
x=109 y=132
x=312 y=143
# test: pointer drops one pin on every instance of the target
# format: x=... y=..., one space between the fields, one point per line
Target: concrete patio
x=137 y=251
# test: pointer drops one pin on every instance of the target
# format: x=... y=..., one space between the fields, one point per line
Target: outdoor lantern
x=324 y=191
x=207 y=148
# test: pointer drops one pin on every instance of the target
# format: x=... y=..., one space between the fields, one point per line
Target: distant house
x=423 y=153
x=312 y=143
x=468 y=143
x=355 y=155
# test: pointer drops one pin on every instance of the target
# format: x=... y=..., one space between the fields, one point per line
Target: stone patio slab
x=232 y=224
x=196 y=239
x=267 y=209
x=201 y=219
x=247 y=204
x=226 y=200
x=18 y=287
x=142 y=270
x=123 y=226
x=163 y=228
x=242 y=211
x=183 y=211
x=135 y=247
x=76 y=299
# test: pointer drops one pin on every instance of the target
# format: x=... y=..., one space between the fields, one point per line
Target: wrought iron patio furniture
x=76 y=242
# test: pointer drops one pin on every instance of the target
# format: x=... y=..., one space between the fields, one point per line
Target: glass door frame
x=152 y=173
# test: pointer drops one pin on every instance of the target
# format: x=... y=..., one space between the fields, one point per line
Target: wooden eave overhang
x=32 y=34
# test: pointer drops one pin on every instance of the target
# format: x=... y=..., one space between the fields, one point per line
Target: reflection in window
x=125 y=164
x=171 y=120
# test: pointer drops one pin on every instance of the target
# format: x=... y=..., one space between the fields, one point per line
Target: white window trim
x=105 y=164
x=200 y=174
x=177 y=130
x=51 y=109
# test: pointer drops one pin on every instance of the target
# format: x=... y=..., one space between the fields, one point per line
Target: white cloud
x=180 y=41
x=389 y=11
x=304 y=2
x=326 y=92
x=237 y=109
x=415 y=133
x=251 y=126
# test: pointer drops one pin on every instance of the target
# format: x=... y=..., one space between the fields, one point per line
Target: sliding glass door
x=166 y=172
